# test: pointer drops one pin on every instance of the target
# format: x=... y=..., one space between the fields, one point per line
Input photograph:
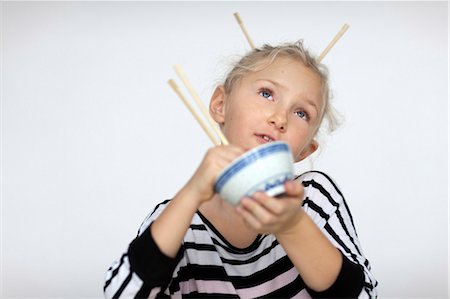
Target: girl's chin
x=249 y=144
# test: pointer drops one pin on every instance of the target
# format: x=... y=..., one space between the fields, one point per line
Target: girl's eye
x=302 y=114
x=266 y=93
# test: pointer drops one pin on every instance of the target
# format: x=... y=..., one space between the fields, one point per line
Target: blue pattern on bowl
x=251 y=158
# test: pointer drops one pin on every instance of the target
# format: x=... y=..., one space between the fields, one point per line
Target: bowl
x=264 y=168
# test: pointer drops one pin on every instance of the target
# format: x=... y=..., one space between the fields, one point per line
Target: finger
x=236 y=149
x=221 y=156
x=273 y=205
x=293 y=188
x=257 y=210
x=229 y=153
x=249 y=219
x=232 y=148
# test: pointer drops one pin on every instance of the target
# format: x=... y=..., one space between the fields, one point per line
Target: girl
x=301 y=245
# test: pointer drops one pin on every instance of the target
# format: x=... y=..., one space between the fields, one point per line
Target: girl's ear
x=217 y=105
x=310 y=149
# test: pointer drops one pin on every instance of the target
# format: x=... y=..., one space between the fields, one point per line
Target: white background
x=93 y=137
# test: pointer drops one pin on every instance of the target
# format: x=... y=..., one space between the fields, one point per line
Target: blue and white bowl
x=264 y=168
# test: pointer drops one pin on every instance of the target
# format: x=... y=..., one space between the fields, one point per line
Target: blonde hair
x=259 y=58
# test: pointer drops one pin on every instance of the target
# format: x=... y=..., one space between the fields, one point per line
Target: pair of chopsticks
x=321 y=56
x=181 y=74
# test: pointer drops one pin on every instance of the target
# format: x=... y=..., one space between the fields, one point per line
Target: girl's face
x=281 y=102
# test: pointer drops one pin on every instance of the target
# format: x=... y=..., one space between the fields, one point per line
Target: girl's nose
x=279 y=120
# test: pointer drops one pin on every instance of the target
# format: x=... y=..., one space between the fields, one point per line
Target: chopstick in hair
x=199 y=103
x=244 y=30
x=193 y=112
x=333 y=42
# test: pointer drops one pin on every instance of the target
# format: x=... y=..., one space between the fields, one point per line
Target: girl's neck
x=225 y=219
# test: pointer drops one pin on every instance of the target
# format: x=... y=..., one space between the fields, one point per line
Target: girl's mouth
x=263 y=138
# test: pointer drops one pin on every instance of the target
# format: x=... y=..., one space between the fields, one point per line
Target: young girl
x=301 y=245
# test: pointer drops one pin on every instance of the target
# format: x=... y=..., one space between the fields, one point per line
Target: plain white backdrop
x=93 y=137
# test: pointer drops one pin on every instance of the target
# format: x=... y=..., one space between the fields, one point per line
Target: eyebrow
x=307 y=99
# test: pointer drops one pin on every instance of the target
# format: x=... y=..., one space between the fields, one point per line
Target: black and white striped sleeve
x=143 y=270
x=325 y=204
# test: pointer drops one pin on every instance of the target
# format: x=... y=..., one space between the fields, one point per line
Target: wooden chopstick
x=199 y=103
x=244 y=30
x=333 y=42
x=193 y=112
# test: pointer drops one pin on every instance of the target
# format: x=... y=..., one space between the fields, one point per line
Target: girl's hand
x=268 y=215
x=215 y=160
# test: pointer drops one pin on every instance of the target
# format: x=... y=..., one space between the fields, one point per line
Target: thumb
x=293 y=188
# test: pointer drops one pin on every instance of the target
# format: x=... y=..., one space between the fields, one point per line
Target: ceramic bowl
x=264 y=168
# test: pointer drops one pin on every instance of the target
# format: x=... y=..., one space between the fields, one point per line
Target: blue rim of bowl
x=250 y=159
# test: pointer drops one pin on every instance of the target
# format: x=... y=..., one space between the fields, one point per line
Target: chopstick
x=333 y=42
x=193 y=112
x=199 y=103
x=244 y=30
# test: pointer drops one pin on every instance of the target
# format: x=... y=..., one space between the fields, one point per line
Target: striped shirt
x=208 y=266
